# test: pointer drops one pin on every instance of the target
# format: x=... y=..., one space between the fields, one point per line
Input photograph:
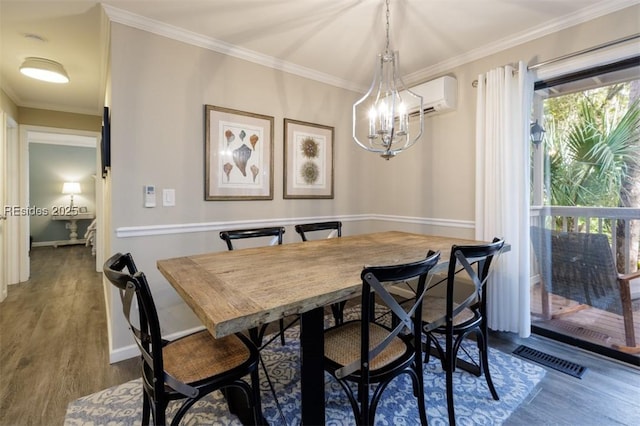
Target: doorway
x=65 y=143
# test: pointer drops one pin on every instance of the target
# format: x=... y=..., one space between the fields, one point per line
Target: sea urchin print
x=309 y=147
x=309 y=172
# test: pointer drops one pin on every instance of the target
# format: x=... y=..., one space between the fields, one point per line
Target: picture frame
x=105 y=142
x=238 y=155
x=308 y=160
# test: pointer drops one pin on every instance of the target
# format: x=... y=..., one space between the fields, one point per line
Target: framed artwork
x=105 y=143
x=308 y=160
x=238 y=155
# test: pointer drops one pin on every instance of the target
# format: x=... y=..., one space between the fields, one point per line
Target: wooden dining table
x=233 y=291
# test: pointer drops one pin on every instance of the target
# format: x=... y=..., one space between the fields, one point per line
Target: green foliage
x=591 y=141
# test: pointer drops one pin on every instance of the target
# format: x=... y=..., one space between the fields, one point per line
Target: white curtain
x=502 y=190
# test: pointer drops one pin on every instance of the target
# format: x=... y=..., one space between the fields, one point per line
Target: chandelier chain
x=386 y=49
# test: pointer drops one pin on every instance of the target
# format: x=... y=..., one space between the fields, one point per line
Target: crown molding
x=179 y=34
x=550 y=27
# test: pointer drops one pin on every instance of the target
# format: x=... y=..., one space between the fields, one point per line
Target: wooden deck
x=589 y=324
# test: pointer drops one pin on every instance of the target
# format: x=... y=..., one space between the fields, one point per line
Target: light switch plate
x=168 y=197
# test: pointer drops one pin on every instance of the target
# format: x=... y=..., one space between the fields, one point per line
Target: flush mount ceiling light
x=45 y=70
x=385 y=110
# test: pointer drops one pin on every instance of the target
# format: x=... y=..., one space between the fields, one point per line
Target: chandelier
x=385 y=108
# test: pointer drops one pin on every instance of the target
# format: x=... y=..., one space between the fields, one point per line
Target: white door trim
x=51 y=135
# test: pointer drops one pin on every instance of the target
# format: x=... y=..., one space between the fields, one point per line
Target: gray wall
x=158 y=89
x=49 y=167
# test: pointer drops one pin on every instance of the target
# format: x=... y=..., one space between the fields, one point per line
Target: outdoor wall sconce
x=537 y=133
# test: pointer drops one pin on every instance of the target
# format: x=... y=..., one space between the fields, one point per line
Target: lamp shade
x=71 y=188
x=45 y=70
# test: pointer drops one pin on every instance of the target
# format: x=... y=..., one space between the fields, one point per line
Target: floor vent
x=567 y=367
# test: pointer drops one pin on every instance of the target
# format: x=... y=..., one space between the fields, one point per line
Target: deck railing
x=603 y=220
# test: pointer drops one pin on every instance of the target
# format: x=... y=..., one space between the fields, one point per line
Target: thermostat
x=149 y=195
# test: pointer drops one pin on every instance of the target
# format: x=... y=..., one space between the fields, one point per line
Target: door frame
x=51 y=135
x=9 y=238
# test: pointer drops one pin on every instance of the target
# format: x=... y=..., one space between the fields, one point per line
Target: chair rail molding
x=185 y=228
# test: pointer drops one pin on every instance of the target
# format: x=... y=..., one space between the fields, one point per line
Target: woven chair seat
x=342 y=345
x=200 y=356
x=435 y=308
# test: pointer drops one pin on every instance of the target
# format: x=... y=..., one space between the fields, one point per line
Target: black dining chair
x=188 y=368
x=335 y=230
x=443 y=316
x=275 y=234
x=369 y=352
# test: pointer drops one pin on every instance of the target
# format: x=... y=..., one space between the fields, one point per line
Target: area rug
x=513 y=378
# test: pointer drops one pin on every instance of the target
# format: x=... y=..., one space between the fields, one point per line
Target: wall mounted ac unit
x=439 y=95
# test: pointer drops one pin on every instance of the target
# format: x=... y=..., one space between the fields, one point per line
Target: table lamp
x=71 y=188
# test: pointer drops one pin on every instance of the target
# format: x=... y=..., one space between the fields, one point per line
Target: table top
x=79 y=216
x=232 y=291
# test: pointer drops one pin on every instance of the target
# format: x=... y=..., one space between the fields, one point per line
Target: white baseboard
x=58 y=243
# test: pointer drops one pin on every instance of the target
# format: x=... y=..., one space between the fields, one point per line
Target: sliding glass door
x=586 y=214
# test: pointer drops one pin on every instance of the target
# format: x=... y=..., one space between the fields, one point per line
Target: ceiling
x=335 y=41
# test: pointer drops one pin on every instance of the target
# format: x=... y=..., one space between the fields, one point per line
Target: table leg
x=238 y=404
x=73 y=230
x=312 y=366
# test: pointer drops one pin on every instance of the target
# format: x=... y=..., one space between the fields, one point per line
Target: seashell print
x=254 y=171
x=242 y=135
x=230 y=136
x=227 y=169
x=254 y=140
x=241 y=157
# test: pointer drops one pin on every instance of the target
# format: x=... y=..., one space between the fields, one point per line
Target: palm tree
x=597 y=163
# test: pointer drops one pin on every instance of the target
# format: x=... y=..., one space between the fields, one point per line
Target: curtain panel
x=502 y=190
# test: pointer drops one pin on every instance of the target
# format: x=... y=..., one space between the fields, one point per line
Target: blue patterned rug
x=513 y=378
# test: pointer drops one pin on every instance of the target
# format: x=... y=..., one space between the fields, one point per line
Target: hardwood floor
x=53 y=343
x=53 y=339
x=607 y=394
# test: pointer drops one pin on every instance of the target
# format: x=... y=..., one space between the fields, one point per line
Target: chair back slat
x=478 y=261
x=334 y=226
x=276 y=232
